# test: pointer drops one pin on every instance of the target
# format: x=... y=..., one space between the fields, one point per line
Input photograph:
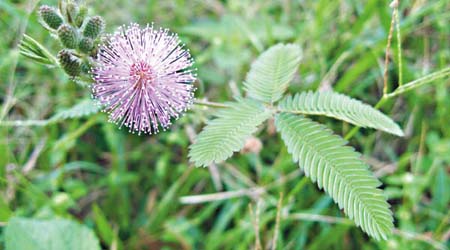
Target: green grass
x=140 y=192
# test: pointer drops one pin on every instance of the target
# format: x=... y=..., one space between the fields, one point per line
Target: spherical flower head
x=143 y=78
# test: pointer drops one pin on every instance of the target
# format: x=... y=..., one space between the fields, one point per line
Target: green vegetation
x=63 y=166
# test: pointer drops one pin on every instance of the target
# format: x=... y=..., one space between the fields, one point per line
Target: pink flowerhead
x=143 y=78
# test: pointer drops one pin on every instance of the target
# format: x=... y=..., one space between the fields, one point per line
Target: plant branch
x=277 y=222
x=419 y=82
x=210 y=104
x=405 y=88
x=319 y=218
x=402 y=88
x=388 y=47
x=250 y=192
x=399 y=44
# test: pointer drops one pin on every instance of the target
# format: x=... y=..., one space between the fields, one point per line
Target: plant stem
x=210 y=104
x=419 y=82
x=405 y=88
x=399 y=46
x=277 y=222
x=401 y=88
x=386 y=57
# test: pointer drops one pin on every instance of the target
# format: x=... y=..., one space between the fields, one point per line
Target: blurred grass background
x=140 y=192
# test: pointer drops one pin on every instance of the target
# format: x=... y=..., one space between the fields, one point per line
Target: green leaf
x=339 y=170
x=5 y=211
x=272 y=72
x=35 y=51
x=227 y=134
x=341 y=107
x=104 y=229
x=56 y=234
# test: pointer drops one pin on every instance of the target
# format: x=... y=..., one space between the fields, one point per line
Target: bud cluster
x=69 y=62
x=78 y=33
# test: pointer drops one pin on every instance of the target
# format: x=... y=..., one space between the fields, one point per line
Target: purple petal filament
x=143 y=78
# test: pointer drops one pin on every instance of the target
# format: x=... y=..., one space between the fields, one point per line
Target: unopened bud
x=85 y=67
x=79 y=20
x=69 y=62
x=50 y=16
x=94 y=27
x=68 y=36
x=86 y=45
x=252 y=145
x=71 y=11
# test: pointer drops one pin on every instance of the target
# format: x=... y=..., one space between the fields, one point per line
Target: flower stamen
x=143 y=78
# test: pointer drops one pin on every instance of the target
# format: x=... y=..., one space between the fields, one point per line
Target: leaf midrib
x=275 y=84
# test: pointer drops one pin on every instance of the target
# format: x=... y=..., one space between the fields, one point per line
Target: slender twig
x=319 y=218
x=277 y=222
x=26 y=123
x=210 y=104
x=255 y=221
x=251 y=192
x=31 y=163
x=215 y=176
x=388 y=47
x=258 y=214
x=419 y=82
x=394 y=4
x=399 y=44
x=402 y=88
x=405 y=88
x=195 y=199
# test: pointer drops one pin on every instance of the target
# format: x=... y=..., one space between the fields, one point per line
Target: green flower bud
x=68 y=36
x=86 y=45
x=86 y=67
x=50 y=16
x=94 y=27
x=79 y=20
x=71 y=11
x=69 y=62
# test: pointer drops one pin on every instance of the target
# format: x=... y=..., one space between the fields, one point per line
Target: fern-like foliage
x=227 y=133
x=325 y=158
x=341 y=107
x=339 y=170
x=84 y=108
x=33 y=50
x=271 y=73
